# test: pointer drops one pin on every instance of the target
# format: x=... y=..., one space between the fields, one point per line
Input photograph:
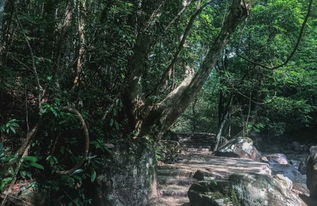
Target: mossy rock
x=210 y=193
x=244 y=190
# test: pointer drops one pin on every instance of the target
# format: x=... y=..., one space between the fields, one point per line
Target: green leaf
x=37 y=165
x=93 y=176
x=13 y=130
x=54 y=112
x=4 y=182
x=77 y=171
x=31 y=158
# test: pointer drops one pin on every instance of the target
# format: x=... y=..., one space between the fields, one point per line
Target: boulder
x=239 y=147
x=199 y=175
x=205 y=176
x=278 y=166
x=245 y=190
x=288 y=171
x=311 y=172
x=277 y=158
x=210 y=194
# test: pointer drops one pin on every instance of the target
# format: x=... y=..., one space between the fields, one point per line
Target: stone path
x=175 y=179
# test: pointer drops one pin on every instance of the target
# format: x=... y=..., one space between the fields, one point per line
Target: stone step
x=173 y=190
x=170 y=201
x=224 y=202
x=175 y=172
x=194 y=157
x=198 y=140
x=198 y=144
x=197 y=151
x=172 y=180
x=175 y=179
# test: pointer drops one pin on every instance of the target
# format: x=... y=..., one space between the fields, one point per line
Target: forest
x=158 y=102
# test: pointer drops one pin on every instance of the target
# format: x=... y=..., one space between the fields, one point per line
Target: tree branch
x=180 y=46
x=87 y=141
x=299 y=38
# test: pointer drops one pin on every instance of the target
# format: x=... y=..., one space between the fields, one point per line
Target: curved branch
x=299 y=38
x=87 y=140
x=163 y=114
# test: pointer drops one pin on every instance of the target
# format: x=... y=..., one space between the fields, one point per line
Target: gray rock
x=311 y=172
x=302 y=167
x=245 y=190
x=277 y=158
x=199 y=175
x=239 y=147
x=210 y=194
x=288 y=171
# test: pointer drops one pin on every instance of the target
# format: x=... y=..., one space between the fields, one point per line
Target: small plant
x=234 y=197
x=10 y=127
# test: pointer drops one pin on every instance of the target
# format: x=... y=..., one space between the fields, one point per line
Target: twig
x=26 y=112
x=151 y=21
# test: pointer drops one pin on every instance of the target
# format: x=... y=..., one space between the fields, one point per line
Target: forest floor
x=174 y=179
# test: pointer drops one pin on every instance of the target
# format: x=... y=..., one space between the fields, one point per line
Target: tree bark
x=132 y=94
x=81 y=9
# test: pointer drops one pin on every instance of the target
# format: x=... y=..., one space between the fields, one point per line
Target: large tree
x=156 y=118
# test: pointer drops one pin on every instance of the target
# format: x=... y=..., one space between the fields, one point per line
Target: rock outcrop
x=241 y=147
x=245 y=190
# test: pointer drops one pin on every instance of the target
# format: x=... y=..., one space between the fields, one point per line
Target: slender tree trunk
x=247 y=129
x=62 y=34
x=194 y=122
x=2 y=5
x=81 y=9
x=220 y=130
x=220 y=107
x=6 y=16
x=229 y=125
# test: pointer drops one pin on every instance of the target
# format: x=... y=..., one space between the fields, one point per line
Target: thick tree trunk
x=132 y=94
